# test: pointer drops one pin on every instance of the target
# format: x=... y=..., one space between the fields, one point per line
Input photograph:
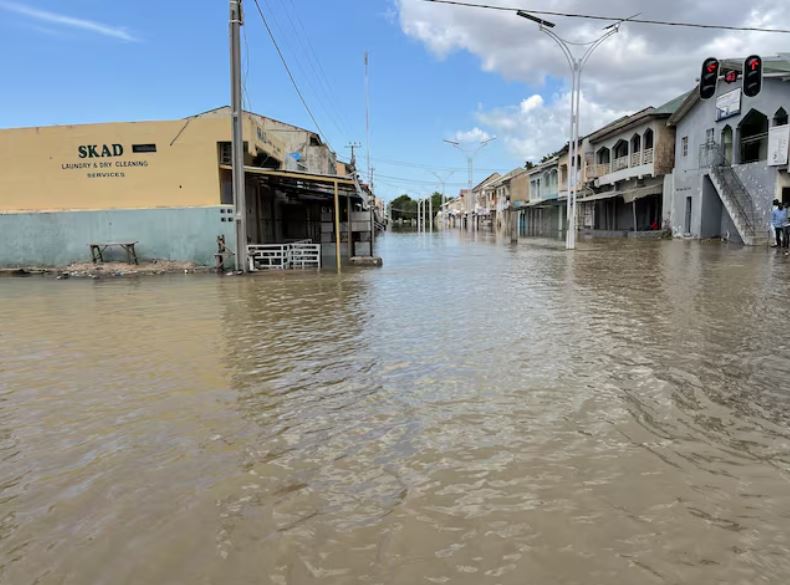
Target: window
x=141 y=148
x=754 y=137
x=684 y=145
x=648 y=139
x=780 y=117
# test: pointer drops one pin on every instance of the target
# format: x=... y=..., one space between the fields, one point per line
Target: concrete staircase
x=738 y=203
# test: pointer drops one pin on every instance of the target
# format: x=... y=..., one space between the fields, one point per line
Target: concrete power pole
x=237 y=144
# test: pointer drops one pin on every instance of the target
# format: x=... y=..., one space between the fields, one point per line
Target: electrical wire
x=406 y=164
x=323 y=79
x=301 y=56
x=288 y=70
x=614 y=18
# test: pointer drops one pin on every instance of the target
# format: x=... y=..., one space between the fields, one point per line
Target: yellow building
x=165 y=184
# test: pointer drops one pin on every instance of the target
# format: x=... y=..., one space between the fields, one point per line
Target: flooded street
x=471 y=413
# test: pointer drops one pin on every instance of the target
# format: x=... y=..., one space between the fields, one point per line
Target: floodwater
x=474 y=412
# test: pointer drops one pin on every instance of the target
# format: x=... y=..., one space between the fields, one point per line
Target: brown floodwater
x=472 y=413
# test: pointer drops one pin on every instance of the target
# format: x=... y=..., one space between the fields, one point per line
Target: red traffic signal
x=752 y=75
x=709 y=78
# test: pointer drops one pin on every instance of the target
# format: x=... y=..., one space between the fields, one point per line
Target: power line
x=322 y=77
x=406 y=164
x=614 y=18
x=300 y=55
x=288 y=70
x=418 y=181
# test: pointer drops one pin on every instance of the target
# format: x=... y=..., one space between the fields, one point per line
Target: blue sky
x=93 y=61
x=436 y=70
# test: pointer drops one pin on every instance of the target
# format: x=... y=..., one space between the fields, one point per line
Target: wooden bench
x=98 y=249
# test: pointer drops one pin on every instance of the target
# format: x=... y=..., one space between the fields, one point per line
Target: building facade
x=163 y=184
x=625 y=165
x=731 y=155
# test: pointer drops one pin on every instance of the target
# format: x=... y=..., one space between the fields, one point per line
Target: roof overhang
x=307 y=185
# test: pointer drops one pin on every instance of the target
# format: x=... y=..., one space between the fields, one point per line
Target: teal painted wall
x=62 y=237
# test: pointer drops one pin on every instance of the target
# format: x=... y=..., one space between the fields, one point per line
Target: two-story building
x=482 y=199
x=545 y=214
x=625 y=165
x=731 y=155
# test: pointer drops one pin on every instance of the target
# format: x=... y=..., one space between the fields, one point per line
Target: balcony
x=636 y=164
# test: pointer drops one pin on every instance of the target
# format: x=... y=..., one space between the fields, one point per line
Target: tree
x=403 y=207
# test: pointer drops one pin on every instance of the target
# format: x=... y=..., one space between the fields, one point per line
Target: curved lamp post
x=470 y=159
x=576 y=65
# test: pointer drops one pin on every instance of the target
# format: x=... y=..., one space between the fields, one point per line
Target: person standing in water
x=778 y=221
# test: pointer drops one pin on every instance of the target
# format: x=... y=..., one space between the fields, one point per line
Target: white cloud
x=640 y=66
x=532 y=102
x=473 y=135
x=68 y=21
x=535 y=128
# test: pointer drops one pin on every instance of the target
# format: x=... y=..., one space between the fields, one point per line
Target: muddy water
x=471 y=413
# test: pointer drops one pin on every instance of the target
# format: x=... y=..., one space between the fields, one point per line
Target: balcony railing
x=636 y=159
x=620 y=164
x=648 y=158
x=599 y=170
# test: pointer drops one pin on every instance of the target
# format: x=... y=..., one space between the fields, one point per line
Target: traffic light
x=709 y=78
x=752 y=76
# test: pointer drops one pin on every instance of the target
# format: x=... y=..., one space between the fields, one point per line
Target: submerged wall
x=62 y=237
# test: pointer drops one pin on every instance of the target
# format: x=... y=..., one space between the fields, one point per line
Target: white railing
x=648 y=156
x=305 y=255
x=298 y=254
x=600 y=170
x=268 y=256
x=636 y=159
x=620 y=164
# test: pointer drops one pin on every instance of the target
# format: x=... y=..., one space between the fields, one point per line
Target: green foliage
x=404 y=207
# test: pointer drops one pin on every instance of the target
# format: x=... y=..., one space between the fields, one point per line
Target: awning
x=600 y=196
x=306 y=185
x=547 y=203
x=629 y=195
x=634 y=194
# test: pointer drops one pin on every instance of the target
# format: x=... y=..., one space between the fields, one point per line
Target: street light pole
x=470 y=159
x=576 y=65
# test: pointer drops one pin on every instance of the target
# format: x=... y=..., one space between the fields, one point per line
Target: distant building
x=545 y=213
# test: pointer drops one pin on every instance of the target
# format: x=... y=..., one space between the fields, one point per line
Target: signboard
x=107 y=161
x=778 y=142
x=730 y=76
x=728 y=104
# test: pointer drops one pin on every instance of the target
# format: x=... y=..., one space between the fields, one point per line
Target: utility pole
x=353 y=146
x=237 y=144
x=367 y=120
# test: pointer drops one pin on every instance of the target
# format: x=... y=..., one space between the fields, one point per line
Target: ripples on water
x=470 y=413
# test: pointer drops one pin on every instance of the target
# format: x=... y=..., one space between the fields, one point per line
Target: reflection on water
x=474 y=412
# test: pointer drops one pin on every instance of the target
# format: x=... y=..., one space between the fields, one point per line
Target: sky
x=437 y=72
